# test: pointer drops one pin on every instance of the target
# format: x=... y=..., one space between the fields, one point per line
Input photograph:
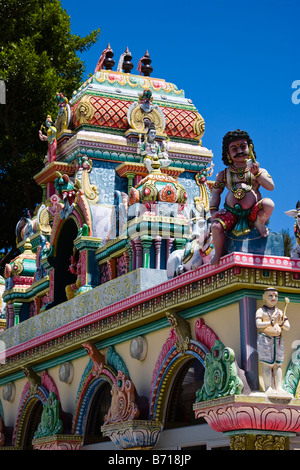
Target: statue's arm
x=259 y=320
x=217 y=190
x=262 y=176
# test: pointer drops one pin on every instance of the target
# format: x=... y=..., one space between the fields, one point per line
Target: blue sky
x=237 y=62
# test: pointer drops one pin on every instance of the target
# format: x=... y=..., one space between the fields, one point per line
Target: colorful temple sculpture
x=140 y=313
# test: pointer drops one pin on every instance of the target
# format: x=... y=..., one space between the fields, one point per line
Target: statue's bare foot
x=263 y=230
x=284 y=393
x=271 y=392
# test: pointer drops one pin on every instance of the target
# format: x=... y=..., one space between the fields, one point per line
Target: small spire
x=144 y=66
x=105 y=59
x=108 y=61
x=127 y=64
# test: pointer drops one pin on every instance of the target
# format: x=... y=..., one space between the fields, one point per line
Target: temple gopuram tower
x=117 y=332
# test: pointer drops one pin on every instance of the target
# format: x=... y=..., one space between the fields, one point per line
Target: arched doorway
x=64 y=251
x=34 y=415
x=182 y=395
x=98 y=408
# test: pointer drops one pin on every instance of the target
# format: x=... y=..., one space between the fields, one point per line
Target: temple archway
x=29 y=417
x=33 y=420
x=63 y=253
x=92 y=403
x=179 y=409
x=98 y=408
x=175 y=375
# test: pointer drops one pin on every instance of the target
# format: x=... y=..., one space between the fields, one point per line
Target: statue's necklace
x=240 y=172
x=239 y=193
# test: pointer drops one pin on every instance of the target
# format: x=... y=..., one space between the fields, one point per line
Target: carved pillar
x=249 y=356
x=130 y=178
x=259 y=442
x=10 y=315
x=88 y=265
x=127 y=257
x=146 y=243
x=17 y=308
x=139 y=253
x=44 y=188
x=169 y=243
x=157 y=245
x=133 y=256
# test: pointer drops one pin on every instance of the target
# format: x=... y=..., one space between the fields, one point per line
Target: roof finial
x=144 y=65
x=105 y=59
x=125 y=63
x=109 y=61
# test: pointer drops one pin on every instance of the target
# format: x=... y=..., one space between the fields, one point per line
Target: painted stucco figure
x=198 y=250
x=50 y=137
x=74 y=268
x=296 y=214
x=150 y=150
x=270 y=323
x=244 y=206
x=51 y=423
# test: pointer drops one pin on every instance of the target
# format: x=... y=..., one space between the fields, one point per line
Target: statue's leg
x=267 y=372
x=263 y=209
x=277 y=372
x=174 y=264
x=218 y=235
x=148 y=164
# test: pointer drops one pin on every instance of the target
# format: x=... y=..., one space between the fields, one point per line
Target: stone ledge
x=259 y=413
x=58 y=442
x=133 y=434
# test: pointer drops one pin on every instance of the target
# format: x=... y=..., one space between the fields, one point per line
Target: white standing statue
x=270 y=322
x=296 y=214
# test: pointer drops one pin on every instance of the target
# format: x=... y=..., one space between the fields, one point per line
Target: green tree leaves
x=39 y=56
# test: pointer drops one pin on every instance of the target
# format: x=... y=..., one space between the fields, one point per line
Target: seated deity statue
x=150 y=150
x=244 y=206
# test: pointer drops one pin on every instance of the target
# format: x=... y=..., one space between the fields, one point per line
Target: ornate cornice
x=65 y=327
x=48 y=174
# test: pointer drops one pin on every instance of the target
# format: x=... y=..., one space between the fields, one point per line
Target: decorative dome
x=158 y=187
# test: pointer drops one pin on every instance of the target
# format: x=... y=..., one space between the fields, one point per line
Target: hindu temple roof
x=129 y=85
x=105 y=98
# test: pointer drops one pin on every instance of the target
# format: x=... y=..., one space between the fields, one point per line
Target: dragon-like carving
x=123 y=406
